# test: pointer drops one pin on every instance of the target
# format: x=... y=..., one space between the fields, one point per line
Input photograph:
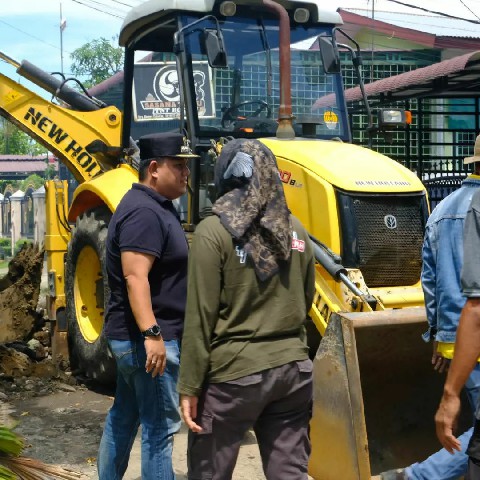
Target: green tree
x=4 y=184
x=35 y=180
x=96 y=61
x=50 y=172
x=15 y=142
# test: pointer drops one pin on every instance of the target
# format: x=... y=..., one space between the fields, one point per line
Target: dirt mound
x=19 y=293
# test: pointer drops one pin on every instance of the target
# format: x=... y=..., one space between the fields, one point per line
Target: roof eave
x=378 y=26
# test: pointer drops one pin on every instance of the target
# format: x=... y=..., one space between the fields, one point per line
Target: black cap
x=167 y=144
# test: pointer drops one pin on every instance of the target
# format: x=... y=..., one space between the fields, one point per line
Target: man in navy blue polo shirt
x=147 y=272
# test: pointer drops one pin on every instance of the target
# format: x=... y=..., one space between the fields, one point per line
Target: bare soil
x=62 y=424
x=19 y=294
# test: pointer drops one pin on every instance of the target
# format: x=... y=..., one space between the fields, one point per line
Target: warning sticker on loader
x=331 y=119
x=156 y=91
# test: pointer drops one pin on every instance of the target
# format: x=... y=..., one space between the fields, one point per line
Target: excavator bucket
x=375 y=395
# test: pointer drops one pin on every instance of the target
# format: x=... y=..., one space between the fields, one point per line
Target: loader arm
x=65 y=132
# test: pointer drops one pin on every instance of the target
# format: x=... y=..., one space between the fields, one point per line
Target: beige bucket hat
x=476 y=152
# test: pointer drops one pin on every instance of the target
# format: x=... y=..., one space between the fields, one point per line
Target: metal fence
x=441 y=135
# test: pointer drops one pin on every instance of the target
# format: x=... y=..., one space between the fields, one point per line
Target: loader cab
x=242 y=99
x=212 y=69
x=169 y=68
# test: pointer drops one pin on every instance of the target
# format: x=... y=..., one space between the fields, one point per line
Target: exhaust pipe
x=285 y=117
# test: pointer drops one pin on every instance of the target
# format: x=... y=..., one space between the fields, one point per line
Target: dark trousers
x=473 y=471
x=473 y=451
x=277 y=403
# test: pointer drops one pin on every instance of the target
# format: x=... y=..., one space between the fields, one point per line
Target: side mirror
x=214 y=47
x=329 y=53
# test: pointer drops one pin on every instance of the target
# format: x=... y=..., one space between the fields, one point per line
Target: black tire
x=87 y=292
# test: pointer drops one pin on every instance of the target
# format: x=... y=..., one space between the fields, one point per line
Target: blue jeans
x=141 y=399
x=443 y=465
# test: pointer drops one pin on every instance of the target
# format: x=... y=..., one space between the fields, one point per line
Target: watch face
x=153 y=331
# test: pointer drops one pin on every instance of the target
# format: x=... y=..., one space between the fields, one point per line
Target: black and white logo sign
x=390 y=222
x=157 y=91
x=166 y=85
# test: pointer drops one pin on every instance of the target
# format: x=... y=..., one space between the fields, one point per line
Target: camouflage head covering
x=251 y=204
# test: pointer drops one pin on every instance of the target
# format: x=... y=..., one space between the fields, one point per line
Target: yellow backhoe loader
x=269 y=70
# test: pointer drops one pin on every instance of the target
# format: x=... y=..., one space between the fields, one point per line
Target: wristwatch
x=153 y=331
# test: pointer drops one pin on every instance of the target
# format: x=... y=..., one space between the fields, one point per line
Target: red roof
x=458 y=76
x=23 y=157
x=24 y=163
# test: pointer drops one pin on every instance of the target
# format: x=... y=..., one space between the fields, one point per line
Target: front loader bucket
x=375 y=395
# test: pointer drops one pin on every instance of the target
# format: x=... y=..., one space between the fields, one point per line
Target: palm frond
x=30 y=469
x=6 y=474
x=11 y=444
x=15 y=467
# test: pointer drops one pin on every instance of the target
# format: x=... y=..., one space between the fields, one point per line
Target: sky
x=30 y=29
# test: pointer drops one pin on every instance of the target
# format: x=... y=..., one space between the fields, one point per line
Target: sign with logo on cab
x=156 y=91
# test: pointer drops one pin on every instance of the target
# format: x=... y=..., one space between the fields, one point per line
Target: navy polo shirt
x=147 y=222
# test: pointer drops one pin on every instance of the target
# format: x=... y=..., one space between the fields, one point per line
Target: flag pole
x=61 y=39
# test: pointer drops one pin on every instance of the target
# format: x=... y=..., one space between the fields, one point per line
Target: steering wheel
x=231 y=113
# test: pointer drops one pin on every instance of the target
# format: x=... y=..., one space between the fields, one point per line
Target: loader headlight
x=391 y=117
